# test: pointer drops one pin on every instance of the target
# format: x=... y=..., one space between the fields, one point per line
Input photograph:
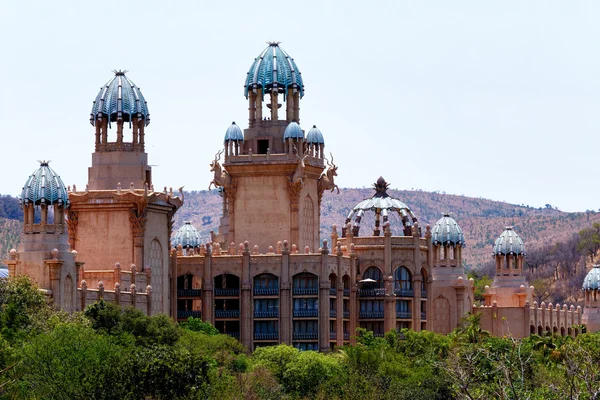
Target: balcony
x=189 y=313
x=423 y=293
x=332 y=335
x=266 y=335
x=346 y=314
x=233 y=335
x=333 y=291
x=266 y=314
x=371 y=292
x=189 y=292
x=306 y=291
x=258 y=291
x=230 y=292
x=346 y=336
x=370 y=314
x=403 y=314
x=306 y=313
x=346 y=292
x=404 y=292
x=332 y=314
x=423 y=315
x=227 y=313
x=306 y=335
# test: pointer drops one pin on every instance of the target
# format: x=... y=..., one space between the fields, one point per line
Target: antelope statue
x=221 y=177
x=299 y=172
x=326 y=181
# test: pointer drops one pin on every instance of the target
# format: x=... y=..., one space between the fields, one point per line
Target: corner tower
x=118 y=105
x=272 y=177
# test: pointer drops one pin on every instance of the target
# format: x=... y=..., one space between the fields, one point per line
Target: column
x=207 y=288
x=285 y=301
x=246 y=301
x=324 y=287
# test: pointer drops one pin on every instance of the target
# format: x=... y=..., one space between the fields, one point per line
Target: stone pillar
x=339 y=299
x=296 y=96
x=289 y=112
x=389 y=305
x=246 y=301
x=285 y=299
x=324 y=287
x=274 y=106
x=174 y=272
x=417 y=279
x=252 y=109
x=54 y=266
x=207 y=286
x=353 y=294
x=294 y=189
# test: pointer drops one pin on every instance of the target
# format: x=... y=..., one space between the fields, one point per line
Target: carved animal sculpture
x=221 y=177
x=326 y=181
x=299 y=172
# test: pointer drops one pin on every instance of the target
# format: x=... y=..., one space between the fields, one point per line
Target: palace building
x=266 y=277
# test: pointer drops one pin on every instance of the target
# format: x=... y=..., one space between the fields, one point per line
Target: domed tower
x=510 y=287
x=591 y=310
x=118 y=105
x=187 y=237
x=44 y=253
x=452 y=293
x=271 y=177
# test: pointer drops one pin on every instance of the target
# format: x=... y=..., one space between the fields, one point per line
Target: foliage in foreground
x=110 y=353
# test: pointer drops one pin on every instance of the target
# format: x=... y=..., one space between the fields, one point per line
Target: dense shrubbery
x=109 y=353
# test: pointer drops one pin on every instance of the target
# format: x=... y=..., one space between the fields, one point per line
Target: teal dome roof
x=447 y=231
x=234 y=133
x=120 y=98
x=274 y=69
x=187 y=236
x=44 y=186
x=293 y=131
x=509 y=243
x=592 y=279
x=315 y=136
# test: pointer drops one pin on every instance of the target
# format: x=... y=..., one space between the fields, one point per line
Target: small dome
x=234 y=133
x=509 y=243
x=187 y=236
x=120 y=98
x=293 y=131
x=315 y=136
x=44 y=186
x=274 y=69
x=592 y=279
x=447 y=231
x=381 y=203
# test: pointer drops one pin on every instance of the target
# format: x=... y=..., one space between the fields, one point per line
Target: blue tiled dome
x=120 y=98
x=187 y=236
x=447 y=231
x=44 y=186
x=274 y=69
x=592 y=279
x=293 y=131
x=234 y=133
x=315 y=136
x=509 y=243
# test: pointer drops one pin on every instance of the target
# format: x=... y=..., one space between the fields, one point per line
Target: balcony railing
x=233 y=334
x=423 y=293
x=333 y=291
x=227 y=292
x=306 y=291
x=346 y=336
x=404 y=292
x=378 y=334
x=403 y=314
x=266 y=314
x=227 y=313
x=332 y=335
x=333 y=313
x=306 y=313
x=266 y=335
x=305 y=335
x=189 y=292
x=346 y=292
x=258 y=291
x=189 y=313
x=423 y=315
x=371 y=292
x=370 y=314
x=346 y=314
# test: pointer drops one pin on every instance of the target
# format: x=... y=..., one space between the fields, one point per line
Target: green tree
x=197 y=325
x=590 y=240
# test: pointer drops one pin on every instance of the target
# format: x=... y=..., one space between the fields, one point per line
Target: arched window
x=308 y=232
x=403 y=286
x=372 y=283
x=266 y=284
x=156 y=265
x=68 y=300
x=306 y=284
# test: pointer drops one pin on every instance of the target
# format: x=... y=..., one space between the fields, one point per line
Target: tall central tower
x=271 y=176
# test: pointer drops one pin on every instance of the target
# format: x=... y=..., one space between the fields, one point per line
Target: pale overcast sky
x=487 y=99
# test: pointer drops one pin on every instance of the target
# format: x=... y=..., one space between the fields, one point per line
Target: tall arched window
x=403 y=282
x=68 y=300
x=156 y=265
x=308 y=233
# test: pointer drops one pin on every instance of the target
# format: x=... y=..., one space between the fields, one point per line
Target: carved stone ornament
x=294 y=189
x=72 y=220
x=138 y=222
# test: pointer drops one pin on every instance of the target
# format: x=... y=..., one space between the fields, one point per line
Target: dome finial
x=273 y=44
x=381 y=187
x=120 y=72
x=44 y=163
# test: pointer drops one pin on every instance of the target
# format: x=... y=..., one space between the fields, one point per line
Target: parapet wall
x=131 y=298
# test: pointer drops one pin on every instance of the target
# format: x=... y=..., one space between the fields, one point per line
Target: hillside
x=482 y=220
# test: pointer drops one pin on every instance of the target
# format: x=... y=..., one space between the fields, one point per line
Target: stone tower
x=44 y=253
x=271 y=178
x=119 y=217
